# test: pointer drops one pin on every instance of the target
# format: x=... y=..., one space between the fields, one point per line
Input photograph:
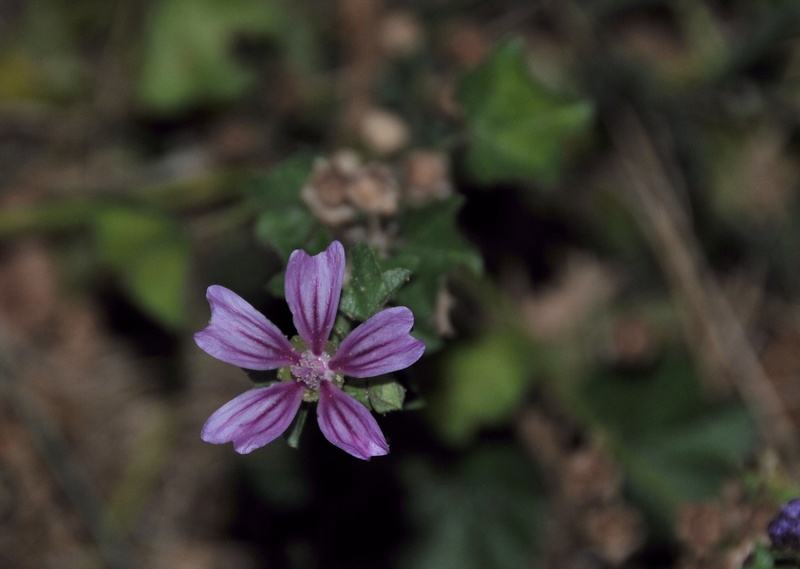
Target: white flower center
x=311 y=369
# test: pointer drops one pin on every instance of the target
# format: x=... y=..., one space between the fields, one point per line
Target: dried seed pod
x=325 y=193
x=383 y=132
x=374 y=190
x=426 y=177
x=401 y=34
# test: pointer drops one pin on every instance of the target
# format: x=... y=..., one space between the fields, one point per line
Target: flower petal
x=382 y=344
x=240 y=335
x=348 y=424
x=255 y=417
x=313 y=287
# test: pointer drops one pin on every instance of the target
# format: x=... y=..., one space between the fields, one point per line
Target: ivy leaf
x=149 y=253
x=370 y=285
x=518 y=129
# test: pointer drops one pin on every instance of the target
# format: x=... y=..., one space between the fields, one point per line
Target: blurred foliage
x=483 y=512
x=150 y=253
x=283 y=220
x=434 y=249
x=762 y=558
x=518 y=130
x=675 y=445
x=188 y=59
x=481 y=385
x=173 y=142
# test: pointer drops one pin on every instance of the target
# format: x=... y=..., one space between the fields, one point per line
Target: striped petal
x=348 y=424
x=255 y=417
x=382 y=344
x=313 y=287
x=240 y=335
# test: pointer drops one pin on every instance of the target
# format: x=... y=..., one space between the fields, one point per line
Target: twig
x=653 y=197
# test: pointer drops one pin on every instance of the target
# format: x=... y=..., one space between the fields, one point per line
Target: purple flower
x=240 y=335
x=784 y=530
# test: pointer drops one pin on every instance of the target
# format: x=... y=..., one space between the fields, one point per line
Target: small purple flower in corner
x=240 y=335
x=784 y=529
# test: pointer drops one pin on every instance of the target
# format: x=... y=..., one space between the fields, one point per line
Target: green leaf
x=188 y=55
x=284 y=222
x=518 y=129
x=285 y=229
x=358 y=392
x=675 y=444
x=761 y=558
x=485 y=511
x=482 y=384
x=385 y=396
x=435 y=246
x=380 y=394
x=370 y=285
x=280 y=187
x=433 y=236
x=149 y=252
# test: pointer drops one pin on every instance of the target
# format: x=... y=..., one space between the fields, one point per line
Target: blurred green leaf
x=188 y=52
x=518 y=130
x=675 y=444
x=370 y=285
x=432 y=234
x=150 y=254
x=436 y=249
x=280 y=187
x=483 y=512
x=761 y=558
x=284 y=222
x=482 y=384
x=285 y=229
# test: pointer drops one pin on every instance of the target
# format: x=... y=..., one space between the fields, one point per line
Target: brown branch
x=719 y=338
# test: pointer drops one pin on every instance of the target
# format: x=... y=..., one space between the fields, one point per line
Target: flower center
x=311 y=369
